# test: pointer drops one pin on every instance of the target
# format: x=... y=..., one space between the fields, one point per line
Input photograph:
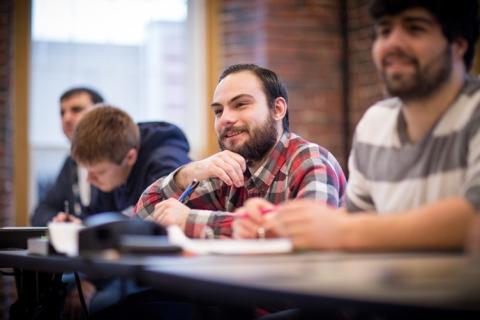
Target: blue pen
x=188 y=191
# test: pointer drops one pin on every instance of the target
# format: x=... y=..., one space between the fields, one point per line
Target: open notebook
x=227 y=246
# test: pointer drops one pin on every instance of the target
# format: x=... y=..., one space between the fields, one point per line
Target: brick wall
x=6 y=137
x=301 y=40
x=364 y=83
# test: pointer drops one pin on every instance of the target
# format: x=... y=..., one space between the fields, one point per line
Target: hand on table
x=250 y=219
x=309 y=224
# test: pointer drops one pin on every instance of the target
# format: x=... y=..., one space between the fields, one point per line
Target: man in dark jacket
x=70 y=191
x=163 y=148
x=121 y=159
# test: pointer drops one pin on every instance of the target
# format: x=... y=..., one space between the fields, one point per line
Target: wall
x=6 y=152
x=6 y=137
x=364 y=83
x=303 y=42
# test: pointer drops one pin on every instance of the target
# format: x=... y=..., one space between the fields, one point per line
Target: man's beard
x=262 y=139
x=424 y=82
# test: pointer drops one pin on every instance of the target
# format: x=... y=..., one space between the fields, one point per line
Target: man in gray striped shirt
x=415 y=162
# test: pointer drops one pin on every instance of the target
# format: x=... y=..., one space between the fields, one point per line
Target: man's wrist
x=189 y=222
x=181 y=178
x=185 y=221
x=352 y=235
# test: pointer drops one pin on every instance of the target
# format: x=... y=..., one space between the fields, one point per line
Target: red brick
x=302 y=42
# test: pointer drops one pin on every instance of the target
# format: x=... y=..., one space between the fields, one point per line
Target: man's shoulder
x=68 y=165
x=379 y=120
x=297 y=143
x=383 y=108
x=470 y=95
x=464 y=114
x=69 y=161
x=472 y=86
x=299 y=148
x=158 y=127
x=159 y=134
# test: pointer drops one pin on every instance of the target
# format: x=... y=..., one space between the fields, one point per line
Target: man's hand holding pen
x=65 y=216
x=173 y=211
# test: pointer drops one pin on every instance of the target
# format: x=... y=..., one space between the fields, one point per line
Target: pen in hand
x=66 y=210
x=261 y=231
x=263 y=212
x=188 y=191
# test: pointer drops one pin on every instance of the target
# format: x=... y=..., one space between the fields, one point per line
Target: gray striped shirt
x=390 y=174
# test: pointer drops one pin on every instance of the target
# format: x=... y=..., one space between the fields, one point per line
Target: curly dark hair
x=458 y=18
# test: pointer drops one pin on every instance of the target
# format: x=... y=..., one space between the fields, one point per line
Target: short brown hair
x=104 y=134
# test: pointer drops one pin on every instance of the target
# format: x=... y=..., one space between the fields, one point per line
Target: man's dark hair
x=272 y=86
x=458 y=18
x=93 y=94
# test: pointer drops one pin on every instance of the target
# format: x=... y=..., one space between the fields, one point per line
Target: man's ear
x=280 y=108
x=131 y=157
x=459 y=48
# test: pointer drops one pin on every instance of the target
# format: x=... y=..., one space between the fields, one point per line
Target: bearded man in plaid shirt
x=260 y=158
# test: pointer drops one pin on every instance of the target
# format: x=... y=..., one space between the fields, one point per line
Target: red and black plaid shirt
x=295 y=168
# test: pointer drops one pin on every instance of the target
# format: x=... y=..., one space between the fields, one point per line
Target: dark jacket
x=163 y=148
x=62 y=190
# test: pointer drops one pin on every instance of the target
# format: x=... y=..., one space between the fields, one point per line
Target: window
x=144 y=56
